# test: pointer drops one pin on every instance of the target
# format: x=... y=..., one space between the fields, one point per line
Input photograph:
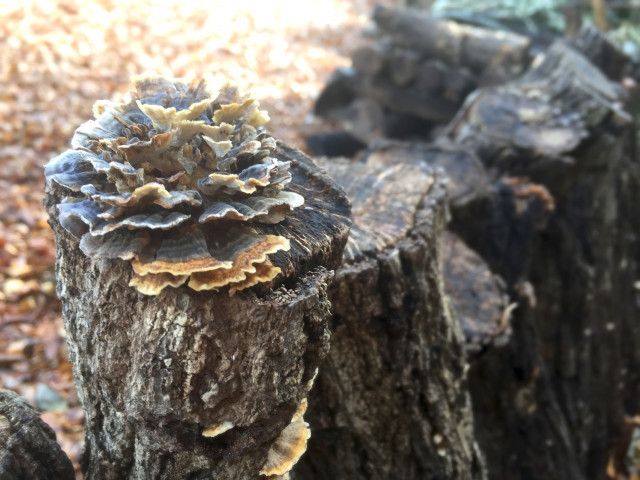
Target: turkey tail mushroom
x=173 y=180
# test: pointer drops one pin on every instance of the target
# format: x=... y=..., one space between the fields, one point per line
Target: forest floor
x=59 y=56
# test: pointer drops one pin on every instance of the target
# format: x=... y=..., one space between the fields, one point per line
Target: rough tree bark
x=153 y=372
x=28 y=447
x=476 y=294
x=477 y=297
x=550 y=390
x=551 y=210
x=390 y=400
x=612 y=61
x=553 y=403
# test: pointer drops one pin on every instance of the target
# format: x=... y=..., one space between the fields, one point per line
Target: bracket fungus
x=174 y=180
x=289 y=446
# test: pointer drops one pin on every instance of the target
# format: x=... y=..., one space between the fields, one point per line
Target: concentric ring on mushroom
x=172 y=180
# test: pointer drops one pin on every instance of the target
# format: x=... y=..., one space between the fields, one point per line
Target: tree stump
x=28 y=447
x=497 y=217
x=476 y=294
x=452 y=42
x=390 y=400
x=413 y=78
x=186 y=383
x=602 y=52
x=553 y=403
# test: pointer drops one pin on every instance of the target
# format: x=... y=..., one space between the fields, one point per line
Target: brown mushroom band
x=172 y=180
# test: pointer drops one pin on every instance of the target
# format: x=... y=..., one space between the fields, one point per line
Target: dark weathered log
x=363 y=119
x=473 y=47
x=334 y=144
x=370 y=59
x=28 y=447
x=571 y=371
x=404 y=126
x=477 y=296
x=191 y=384
x=390 y=399
x=498 y=218
x=467 y=179
x=420 y=69
x=403 y=66
x=519 y=422
x=338 y=93
x=484 y=209
x=407 y=100
x=503 y=226
x=458 y=83
x=430 y=77
x=602 y=52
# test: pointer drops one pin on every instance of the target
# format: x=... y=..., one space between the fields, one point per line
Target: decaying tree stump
x=28 y=447
x=550 y=209
x=182 y=383
x=450 y=41
x=553 y=403
x=477 y=295
x=612 y=61
x=390 y=400
x=180 y=380
x=499 y=217
x=414 y=77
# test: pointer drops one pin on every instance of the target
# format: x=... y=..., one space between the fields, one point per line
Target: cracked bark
x=390 y=400
x=28 y=447
x=553 y=402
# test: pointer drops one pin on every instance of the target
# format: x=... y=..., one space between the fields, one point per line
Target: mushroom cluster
x=172 y=181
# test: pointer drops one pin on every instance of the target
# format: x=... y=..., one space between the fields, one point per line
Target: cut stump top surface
x=385 y=198
x=387 y=192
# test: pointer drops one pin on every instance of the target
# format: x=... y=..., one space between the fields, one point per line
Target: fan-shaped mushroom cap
x=73 y=169
x=247 y=111
x=289 y=446
x=124 y=245
x=243 y=270
x=265 y=272
x=173 y=180
x=163 y=220
x=217 y=429
x=258 y=208
x=154 y=284
x=164 y=118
